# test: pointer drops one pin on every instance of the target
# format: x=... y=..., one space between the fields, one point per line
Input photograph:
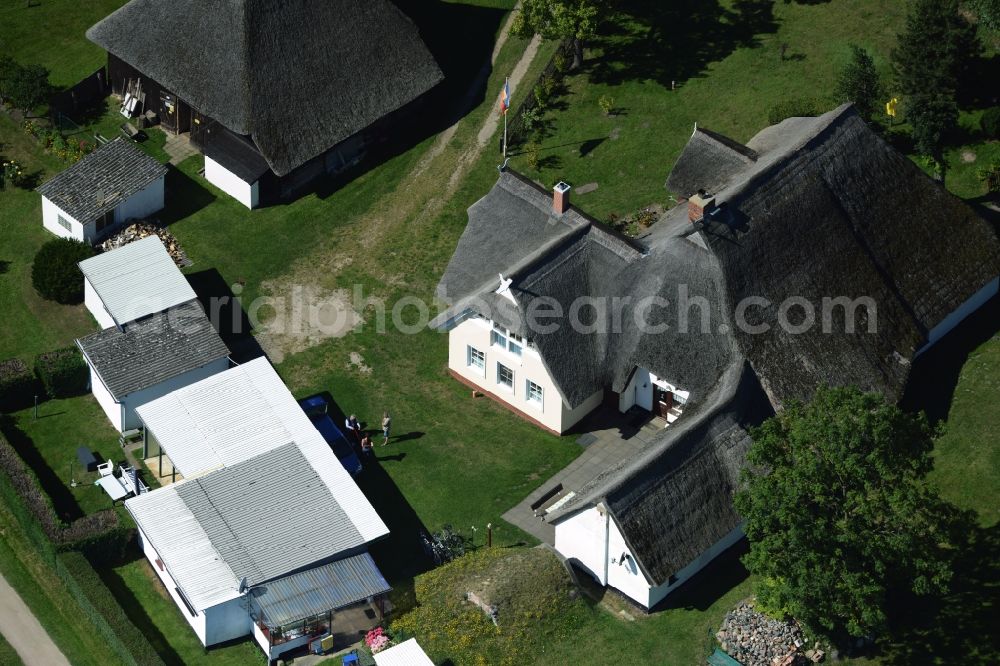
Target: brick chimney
x=560 y=198
x=700 y=205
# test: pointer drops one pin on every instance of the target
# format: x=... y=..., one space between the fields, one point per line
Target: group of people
x=362 y=437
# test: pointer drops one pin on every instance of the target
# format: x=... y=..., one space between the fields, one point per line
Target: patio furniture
x=86 y=458
x=106 y=469
x=113 y=487
x=130 y=479
x=351 y=659
x=321 y=645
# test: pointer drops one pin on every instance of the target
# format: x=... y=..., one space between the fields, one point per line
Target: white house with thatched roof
x=810 y=209
x=95 y=196
x=275 y=94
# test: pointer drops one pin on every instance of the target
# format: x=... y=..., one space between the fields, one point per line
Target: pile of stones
x=142 y=229
x=754 y=639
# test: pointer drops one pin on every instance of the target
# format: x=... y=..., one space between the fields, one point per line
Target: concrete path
x=24 y=633
x=609 y=437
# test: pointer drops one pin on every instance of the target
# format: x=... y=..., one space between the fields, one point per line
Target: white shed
x=145 y=359
x=132 y=282
x=115 y=183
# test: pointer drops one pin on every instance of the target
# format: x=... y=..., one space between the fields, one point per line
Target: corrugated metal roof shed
x=182 y=544
x=239 y=414
x=137 y=280
x=315 y=591
x=270 y=515
x=407 y=653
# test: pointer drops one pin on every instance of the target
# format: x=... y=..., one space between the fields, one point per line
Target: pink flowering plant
x=376 y=640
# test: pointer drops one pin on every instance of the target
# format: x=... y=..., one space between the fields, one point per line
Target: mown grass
x=8 y=656
x=51 y=33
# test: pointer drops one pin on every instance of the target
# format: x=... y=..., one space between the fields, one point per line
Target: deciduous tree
x=576 y=20
x=837 y=512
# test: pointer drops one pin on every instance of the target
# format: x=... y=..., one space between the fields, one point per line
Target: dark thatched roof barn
x=297 y=76
x=826 y=210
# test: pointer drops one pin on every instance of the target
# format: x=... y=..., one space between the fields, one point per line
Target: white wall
x=964 y=310
x=197 y=622
x=626 y=399
x=140 y=398
x=50 y=220
x=553 y=413
x=141 y=204
x=227 y=621
x=583 y=537
x=96 y=305
x=643 y=389
x=592 y=539
x=246 y=193
x=105 y=399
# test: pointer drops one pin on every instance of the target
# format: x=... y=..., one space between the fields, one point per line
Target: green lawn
x=8 y=656
x=51 y=33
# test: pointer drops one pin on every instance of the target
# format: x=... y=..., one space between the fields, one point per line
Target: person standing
x=386 y=426
x=353 y=427
x=366 y=445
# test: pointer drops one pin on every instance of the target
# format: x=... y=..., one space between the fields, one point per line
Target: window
x=505 y=376
x=533 y=393
x=64 y=223
x=497 y=339
x=501 y=337
x=105 y=221
x=477 y=360
x=516 y=344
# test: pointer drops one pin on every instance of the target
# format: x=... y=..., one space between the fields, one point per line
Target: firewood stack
x=142 y=229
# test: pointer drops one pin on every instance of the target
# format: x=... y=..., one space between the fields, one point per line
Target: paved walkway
x=23 y=631
x=610 y=436
x=179 y=147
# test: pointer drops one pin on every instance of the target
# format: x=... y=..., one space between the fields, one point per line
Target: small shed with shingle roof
x=94 y=197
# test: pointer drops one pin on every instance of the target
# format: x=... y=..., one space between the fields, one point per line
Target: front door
x=663 y=401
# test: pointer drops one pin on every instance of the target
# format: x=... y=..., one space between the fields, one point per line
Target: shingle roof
x=270 y=515
x=102 y=180
x=137 y=280
x=318 y=590
x=153 y=349
x=296 y=77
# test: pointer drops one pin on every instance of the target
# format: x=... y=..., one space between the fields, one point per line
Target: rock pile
x=142 y=229
x=754 y=639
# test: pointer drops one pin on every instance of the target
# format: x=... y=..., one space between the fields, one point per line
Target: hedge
x=17 y=385
x=63 y=372
x=101 y=607
x=990 y=122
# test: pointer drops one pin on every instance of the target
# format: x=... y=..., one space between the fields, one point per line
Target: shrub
x=63 y=372
x=11 y=172
x=531 y=154
x=990 y=176
x=104 y=611
x=607 y=104
x=792 y=108
x=990 y=122
x=55 y=274
x=17 y=385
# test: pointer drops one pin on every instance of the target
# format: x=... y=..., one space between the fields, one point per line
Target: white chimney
x=560 y=198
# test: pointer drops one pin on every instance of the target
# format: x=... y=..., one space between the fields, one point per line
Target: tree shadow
x=670 y=42
x=934 y=375
x=226 y=313
x=958 y=627
x=184 y=197
x=549 y=162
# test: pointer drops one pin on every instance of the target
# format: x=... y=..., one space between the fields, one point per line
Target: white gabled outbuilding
x=132 y=282
x=94 y=197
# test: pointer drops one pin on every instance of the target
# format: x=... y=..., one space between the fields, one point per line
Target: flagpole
x=506 y=87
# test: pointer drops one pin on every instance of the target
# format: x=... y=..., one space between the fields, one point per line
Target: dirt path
x=22 y=630
x=417 y=200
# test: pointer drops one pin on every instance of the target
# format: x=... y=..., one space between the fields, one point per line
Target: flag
x=505 y=97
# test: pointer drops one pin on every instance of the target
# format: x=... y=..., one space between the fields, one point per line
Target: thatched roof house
x=809 y=209
x=293 y=79
x=827 y=209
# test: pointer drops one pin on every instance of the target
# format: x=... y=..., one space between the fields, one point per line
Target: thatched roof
x=298 y=76
x=829 y=210
x=709 y=161
x=675 y=501
x=558 y=259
